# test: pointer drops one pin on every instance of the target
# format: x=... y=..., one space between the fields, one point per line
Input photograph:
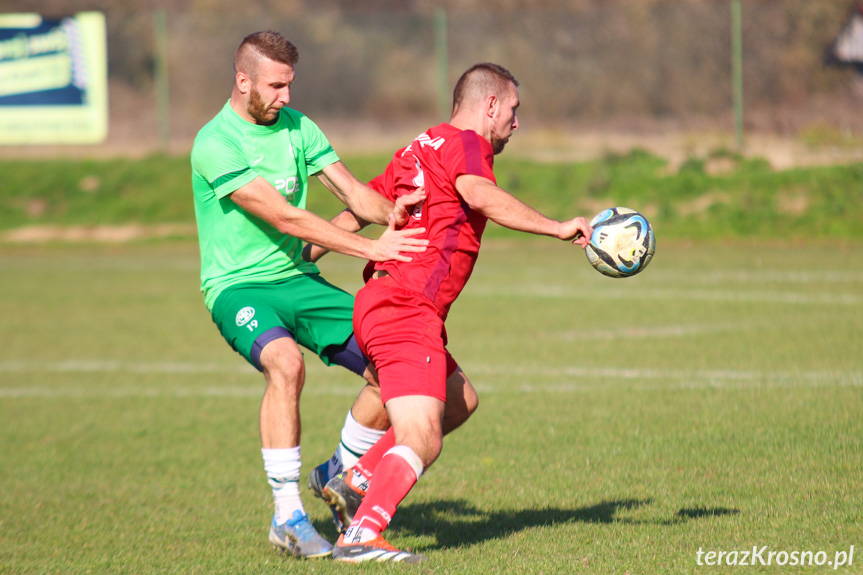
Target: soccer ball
x=622 y=243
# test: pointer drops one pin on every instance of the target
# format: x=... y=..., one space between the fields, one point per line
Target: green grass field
x=713 y=403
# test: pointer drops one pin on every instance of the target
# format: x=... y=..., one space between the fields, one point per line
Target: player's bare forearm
x=503 y=208
x=345 y=220
x=260 y=199
x=359 y=198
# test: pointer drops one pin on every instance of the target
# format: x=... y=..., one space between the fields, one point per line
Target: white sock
x=283 y=474
x=356 y=440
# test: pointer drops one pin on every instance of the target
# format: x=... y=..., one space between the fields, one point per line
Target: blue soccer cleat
x=298 y=537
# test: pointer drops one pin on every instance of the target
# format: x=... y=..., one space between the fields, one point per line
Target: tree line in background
x=620 y=64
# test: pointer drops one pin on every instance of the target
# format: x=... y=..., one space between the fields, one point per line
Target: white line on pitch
x=665 y=379
x=733 y=296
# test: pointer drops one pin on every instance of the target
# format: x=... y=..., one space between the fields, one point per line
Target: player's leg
x=418 y=425
x=461 y=400
x=328 y=331
x=412 y=364
x=250 y=320
x=344 y=492
x=368 y=406
x=366 y=420
x=282 y=363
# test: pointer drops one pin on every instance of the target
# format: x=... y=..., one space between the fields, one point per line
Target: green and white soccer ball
x=622 y=243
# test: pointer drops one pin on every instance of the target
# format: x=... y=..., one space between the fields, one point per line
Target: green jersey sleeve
x=220 y=161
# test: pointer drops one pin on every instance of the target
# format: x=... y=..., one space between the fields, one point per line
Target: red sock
x=394 y=479
x=369 y=462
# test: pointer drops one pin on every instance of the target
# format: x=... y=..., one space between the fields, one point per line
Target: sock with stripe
x=396 y=474
x=283 y=474
x=366 y=465
x=356 y=440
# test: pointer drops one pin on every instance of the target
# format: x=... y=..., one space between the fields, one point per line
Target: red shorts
x=401 y=332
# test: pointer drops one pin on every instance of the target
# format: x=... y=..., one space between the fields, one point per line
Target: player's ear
x=243 y=82
x=491 y=105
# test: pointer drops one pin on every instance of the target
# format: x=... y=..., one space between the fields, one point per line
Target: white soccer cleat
x=377 y=550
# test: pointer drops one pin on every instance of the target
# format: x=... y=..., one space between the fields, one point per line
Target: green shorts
x=306 y=308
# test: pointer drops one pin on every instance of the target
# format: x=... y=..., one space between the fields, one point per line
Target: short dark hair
x=480 y=80
x=267 y=44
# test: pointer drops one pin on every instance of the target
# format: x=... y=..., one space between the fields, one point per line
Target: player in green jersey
x=250 y=170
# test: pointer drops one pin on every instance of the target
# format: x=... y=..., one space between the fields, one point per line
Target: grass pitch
x=710 y=404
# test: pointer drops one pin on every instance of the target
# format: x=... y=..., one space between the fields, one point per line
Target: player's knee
x=462 y=410
x=429 y=448
x=283 y=367
x=471 y=401
x=460 y=406
x=433 y=441
x=435 y=446
x=371 y=377
x=425 y=440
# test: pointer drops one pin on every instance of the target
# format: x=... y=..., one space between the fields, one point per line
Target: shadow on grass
x=699 y=512
x=457 y=523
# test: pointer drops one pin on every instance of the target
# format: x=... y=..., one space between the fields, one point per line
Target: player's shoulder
x=463 y=142
x=220 y=122
x=217 y=138
x=453 y=135
x=469 y=136
x=212 y=141
x=433 y=140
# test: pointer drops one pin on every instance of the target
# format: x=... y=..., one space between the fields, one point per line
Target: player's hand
x=405 y=204
x=577 y=230
x=394 y=244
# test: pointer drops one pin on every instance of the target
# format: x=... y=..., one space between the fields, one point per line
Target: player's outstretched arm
x=503 y=208
x=262 y=200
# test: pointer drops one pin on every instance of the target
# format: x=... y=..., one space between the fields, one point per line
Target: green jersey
x=229 y=152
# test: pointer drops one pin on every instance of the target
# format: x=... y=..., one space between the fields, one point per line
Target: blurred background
x=596 y=75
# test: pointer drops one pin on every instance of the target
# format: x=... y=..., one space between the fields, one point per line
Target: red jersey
x=434 y=160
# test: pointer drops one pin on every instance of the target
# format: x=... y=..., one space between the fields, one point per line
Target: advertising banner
x=53 y=79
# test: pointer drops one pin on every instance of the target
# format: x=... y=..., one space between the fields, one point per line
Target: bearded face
x=264 y=113
x=498 y=142
x=505 y=122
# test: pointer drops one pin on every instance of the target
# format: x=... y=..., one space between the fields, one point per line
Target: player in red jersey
x=399 y=314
